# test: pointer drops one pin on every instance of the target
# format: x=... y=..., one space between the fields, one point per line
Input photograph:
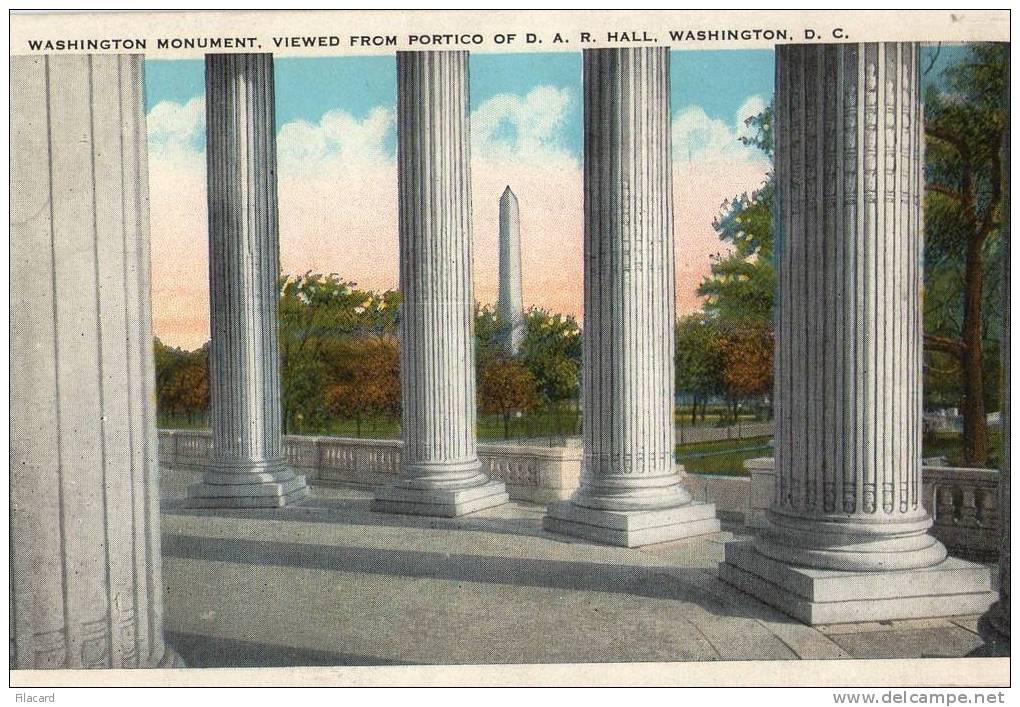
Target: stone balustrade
x=745 y=430
x=963 y=503
x=531 y=473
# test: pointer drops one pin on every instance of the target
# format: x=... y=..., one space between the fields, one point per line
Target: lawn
x=726 y=457
x=555 y=423
x=950 y=446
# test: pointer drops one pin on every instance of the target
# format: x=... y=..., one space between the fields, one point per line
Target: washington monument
x=509 y=305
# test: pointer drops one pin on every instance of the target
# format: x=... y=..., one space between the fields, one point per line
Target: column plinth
x=441 y=474
x=847 y=535
x=85 y=574
x=630 y=492
x=247 y=468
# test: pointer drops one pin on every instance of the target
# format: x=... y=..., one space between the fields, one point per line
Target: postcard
x=510 y=348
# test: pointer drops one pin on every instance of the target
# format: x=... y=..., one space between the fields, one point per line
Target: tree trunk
x=506 y=425
x=357 y=427
x=975 y=433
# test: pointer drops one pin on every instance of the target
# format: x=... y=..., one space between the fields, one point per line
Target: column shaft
x=441 y=472
x=248 y=467
x=629 y=318
x=85 y=558
x=849 y=242
x=848 y=341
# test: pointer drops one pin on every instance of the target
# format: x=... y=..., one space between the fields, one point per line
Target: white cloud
x=338 y=136
x=509 y=126
x=176 y=131
x=698 y=138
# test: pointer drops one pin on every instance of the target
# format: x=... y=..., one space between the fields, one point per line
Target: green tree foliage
x=182 y=381
x=698 y=359
x=966 y=114
x=726 y=349
x=742 y=282
x=317 y=314
x=551 y=350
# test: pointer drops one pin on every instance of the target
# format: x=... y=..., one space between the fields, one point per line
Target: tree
x=365 y=380
x=726 y=348
x=742 y=283
x=505 y=386
x=746 y=353
x=964 y=123
x=698 y=360
x=182 y=380
x=551 y=351
x=317 y=313
x=187 y=391
x=168 y=360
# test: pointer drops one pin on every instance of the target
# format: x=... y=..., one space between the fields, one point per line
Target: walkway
x=332 y=583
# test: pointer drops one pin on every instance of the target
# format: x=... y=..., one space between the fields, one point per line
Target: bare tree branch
x=934 y=58
x=945 y=344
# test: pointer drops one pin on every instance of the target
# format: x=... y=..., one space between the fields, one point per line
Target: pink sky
x=338 y=214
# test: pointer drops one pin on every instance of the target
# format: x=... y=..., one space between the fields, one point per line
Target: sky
x=336 y=150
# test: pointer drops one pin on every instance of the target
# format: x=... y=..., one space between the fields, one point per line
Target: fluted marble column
x=248 y=467
x=86 y=587
x=441 y=474
x=630 y=492
x=849 y=181
x=510 y=305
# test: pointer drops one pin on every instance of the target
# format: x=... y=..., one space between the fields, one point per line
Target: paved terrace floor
x=330 y=582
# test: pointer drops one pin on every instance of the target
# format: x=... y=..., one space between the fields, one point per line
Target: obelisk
x=509 y=306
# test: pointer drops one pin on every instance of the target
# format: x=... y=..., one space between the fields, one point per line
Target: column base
x=249 y=489
x=440 y=502
x=954 y=587
x=631 y=528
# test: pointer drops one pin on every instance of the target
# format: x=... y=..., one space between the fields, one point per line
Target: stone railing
x=531 y=473
x=745 y=430
x=965 y=506
x=963 y=503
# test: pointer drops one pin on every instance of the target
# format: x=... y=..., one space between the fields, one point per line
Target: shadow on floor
x=211 y=652
x=656 y=582
x=357 y=511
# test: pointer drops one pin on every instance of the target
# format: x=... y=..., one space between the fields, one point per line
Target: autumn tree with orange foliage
x=746 y=352
x=505 y=386
x=365 y=380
